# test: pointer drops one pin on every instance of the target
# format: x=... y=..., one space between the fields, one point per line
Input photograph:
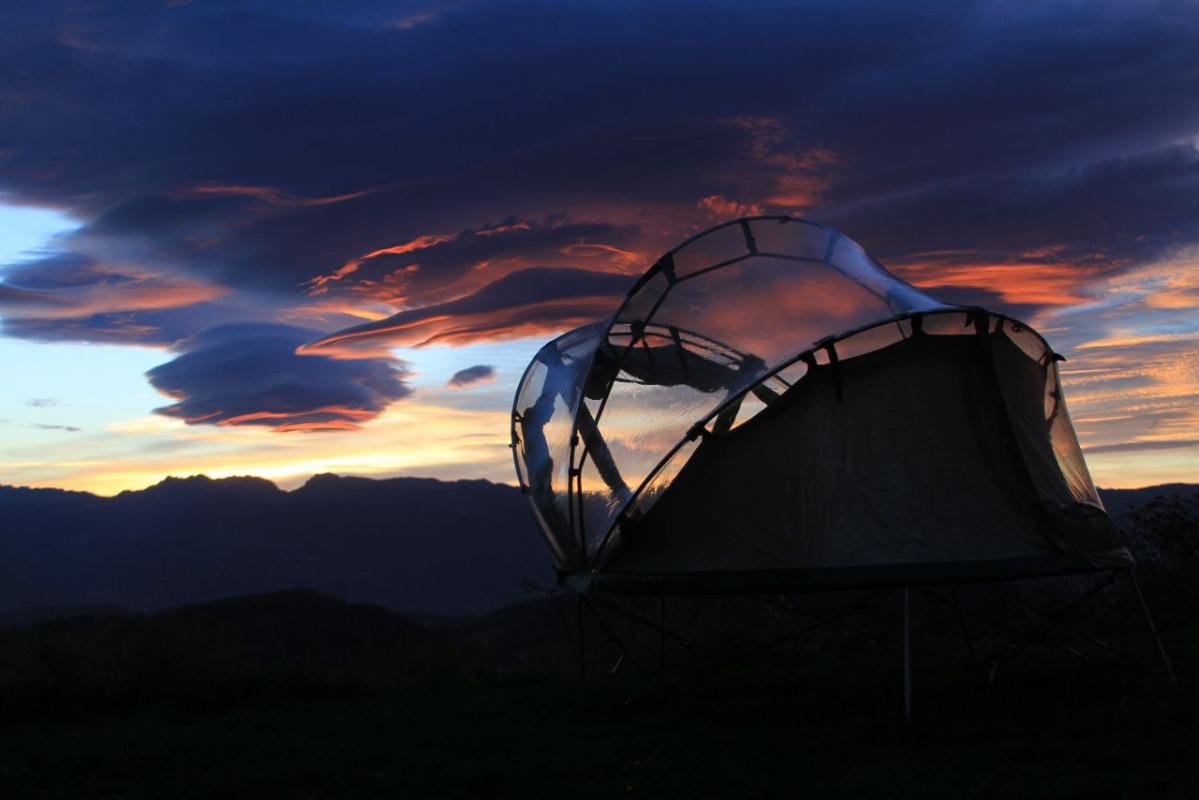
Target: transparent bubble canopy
x=717 y=331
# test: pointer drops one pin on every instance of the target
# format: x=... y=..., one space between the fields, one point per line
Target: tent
x=769 y=409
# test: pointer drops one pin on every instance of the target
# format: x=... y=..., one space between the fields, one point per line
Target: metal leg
x=957 y=606
x=1157 y=639
x=582 y=650
x=907 y=653
x=662 y=639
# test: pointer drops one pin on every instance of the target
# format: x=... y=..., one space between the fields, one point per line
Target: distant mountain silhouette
x=409 y=544
x=412 y=544
x=1120 y=501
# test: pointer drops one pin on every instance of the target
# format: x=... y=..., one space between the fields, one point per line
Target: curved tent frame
x=647 y=357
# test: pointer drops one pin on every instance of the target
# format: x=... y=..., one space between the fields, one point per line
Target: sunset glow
x=281 y=277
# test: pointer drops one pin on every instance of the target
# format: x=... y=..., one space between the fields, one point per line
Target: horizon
x=298 y=483
x=192 y=194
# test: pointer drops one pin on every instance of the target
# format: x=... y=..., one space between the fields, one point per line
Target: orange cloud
x=109 y=289
x=798 y=177
x=319 y=284
x=592 y=249
x=1138 y=340
x=265 y=194
x=461 y=329
x=720 y=208
x=1024 y=279
x=348 y=418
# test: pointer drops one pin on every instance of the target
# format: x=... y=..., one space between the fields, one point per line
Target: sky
x=190 y=191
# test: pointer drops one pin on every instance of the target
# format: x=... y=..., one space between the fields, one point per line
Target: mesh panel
x=869 y=340
x=1067 y=450
x=1024 y=338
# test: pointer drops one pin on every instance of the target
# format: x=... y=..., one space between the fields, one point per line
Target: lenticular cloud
x=251 y=375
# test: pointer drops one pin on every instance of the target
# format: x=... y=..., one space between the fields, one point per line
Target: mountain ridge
x=413 y=545
x=408 y=544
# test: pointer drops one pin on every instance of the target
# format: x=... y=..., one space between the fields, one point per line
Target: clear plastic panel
x=768 y=309
x=601 y=503
x=715 y=247
x=790 y=238
x=531 y=384
x=654 y=490
x=664 y=478
x=544 y=425
x=642 y=422
x=641 y=304
x=899 y=297
x=560 y=555
x=640 y=425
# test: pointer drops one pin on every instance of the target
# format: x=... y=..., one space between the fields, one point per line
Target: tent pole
x=1157 y=639
x=957 y=606
x=582 y=650
x=662 y=639
x=907 y=653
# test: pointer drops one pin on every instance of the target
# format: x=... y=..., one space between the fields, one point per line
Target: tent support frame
x=582 y=647
x=1151 y=625
x=662 y=639
x=907 y=653
x=592 y=603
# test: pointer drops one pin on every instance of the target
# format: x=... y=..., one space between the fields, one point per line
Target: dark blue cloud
x=258 y=147
x=250 y=375
x=480 y=373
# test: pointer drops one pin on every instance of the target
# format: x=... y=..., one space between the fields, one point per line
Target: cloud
x=250 y=375
x=431 y=268
x=719 y=208
x=75 y=286
x=76 y=296
x=1125 y=447
x=519 y=304
x=66 y=428
x=41 y=402
x=471 y=376
x=1020 y=279
x=450 y=173
x=965 y=130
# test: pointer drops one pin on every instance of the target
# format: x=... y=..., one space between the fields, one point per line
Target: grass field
x=1048 y=726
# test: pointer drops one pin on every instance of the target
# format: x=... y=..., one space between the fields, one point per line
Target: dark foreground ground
x=152 y=721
